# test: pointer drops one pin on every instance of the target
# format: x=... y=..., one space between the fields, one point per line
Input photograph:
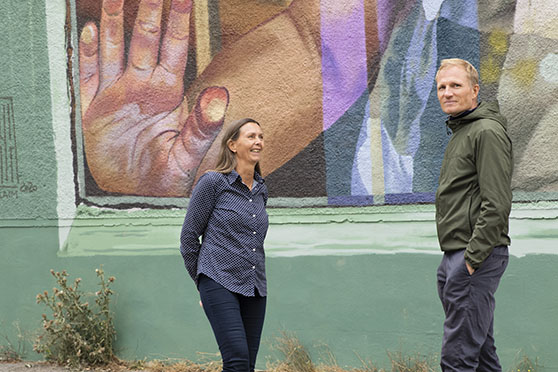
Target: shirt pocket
x=232 y=214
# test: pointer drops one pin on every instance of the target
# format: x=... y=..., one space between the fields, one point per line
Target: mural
x=344 y=91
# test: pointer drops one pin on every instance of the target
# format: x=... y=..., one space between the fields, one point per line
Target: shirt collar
x=233 y=176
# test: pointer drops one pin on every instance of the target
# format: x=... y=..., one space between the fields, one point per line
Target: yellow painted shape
x=525 y=71
x=498 y=41
x=490 y=70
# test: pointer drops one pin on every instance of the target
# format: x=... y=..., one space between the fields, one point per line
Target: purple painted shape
x=344 y=70
x=385 y=21
x=389 y=14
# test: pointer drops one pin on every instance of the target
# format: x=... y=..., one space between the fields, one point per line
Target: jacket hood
x=490 y=110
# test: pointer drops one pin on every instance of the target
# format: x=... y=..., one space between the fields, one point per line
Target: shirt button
x=253 y=267
x=254 y=249
x=250 y=200
x=253 y=215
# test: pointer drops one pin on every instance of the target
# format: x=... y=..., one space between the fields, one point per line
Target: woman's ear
x=232 y=146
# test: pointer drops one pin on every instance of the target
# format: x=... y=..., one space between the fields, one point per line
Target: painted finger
x=144 y=47
x=88 y=65
x=111 y=42
x=201 y=127
x=174 y=47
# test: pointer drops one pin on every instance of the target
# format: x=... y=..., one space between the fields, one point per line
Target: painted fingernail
x=213 y=103
x=89 y=40
x=113 y=7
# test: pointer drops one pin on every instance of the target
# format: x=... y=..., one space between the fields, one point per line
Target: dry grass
x=527 y=365
x=11 y=351
x=207 y=363
x=412 y=363
x=294 y=358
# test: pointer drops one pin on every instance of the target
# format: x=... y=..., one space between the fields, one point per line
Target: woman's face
x=249 y=145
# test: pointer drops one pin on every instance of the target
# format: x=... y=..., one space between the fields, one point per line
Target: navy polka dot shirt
x=232 y=221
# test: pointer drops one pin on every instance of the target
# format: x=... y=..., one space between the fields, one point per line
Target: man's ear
x=476 y=89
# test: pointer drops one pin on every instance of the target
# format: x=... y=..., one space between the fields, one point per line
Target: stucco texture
x=343 y=90
x=112 y=109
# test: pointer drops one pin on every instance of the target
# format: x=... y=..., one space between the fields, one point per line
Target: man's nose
x=448 y=92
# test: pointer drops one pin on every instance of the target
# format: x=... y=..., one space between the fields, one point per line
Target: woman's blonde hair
x=472 y=72
x=226 y=162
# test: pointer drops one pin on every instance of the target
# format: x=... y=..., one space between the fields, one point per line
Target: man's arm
x=494 y=163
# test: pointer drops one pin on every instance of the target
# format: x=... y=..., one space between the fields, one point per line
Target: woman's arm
x=197 y=217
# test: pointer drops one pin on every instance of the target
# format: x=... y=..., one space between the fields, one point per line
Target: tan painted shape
x=538 y=169
x=376 y=154
x=536 y=17
x=203 y=40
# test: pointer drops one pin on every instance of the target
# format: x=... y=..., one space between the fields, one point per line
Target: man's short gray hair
x=472 y=72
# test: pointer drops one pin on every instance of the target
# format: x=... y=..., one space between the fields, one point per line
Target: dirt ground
x=27 y=366
x=30 y=367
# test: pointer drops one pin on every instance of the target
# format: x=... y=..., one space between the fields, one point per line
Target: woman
x=227 y=209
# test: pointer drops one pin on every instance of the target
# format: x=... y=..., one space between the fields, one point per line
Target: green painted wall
x=25 y=92
x=358 y=305
x=360 y=280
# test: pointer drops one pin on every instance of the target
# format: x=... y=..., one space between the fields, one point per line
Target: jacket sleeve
x=494 y=165
x=200 y=208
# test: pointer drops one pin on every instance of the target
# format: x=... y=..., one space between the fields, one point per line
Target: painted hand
x=140 y=136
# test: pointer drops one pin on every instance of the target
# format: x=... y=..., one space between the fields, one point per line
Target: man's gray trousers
x=468 y=301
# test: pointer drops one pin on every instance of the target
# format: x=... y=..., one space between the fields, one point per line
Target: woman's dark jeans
x=237 y=323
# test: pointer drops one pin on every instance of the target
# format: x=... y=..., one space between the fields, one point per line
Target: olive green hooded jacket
x=473 y=200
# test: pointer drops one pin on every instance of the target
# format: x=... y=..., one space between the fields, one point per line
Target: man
x=473 y=203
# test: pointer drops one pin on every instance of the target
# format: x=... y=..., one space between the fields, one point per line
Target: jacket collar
x=456 y=122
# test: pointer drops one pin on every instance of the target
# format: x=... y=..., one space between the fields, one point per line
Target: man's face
x=455 y=92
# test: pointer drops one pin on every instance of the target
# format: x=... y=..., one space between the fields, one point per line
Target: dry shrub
x=79 y=334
